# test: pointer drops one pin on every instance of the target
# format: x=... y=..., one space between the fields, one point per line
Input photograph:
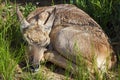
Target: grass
x=12 y=45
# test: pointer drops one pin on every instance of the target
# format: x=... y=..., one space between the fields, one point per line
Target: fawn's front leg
x=60 y=61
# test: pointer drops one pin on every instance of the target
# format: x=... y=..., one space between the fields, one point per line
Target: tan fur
x=70 y=26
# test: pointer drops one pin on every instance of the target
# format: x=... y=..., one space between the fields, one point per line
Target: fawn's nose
x=34 y=68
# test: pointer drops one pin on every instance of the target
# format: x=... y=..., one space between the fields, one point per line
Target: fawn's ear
x=47 y=19
x=23 y=21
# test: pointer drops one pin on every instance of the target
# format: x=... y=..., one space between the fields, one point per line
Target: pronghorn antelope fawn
x=53 y=32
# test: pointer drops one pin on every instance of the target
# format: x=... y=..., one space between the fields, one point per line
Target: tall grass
x=6 y=67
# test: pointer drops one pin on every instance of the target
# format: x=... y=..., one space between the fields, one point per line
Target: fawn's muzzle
x=34 y=68
x=35 y=55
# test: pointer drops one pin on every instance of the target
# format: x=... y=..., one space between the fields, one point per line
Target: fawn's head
x=37 y=35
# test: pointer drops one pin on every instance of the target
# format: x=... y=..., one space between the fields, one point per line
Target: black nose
x=34 y=68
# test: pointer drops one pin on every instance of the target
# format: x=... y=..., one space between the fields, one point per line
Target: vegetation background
x=12 y=45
